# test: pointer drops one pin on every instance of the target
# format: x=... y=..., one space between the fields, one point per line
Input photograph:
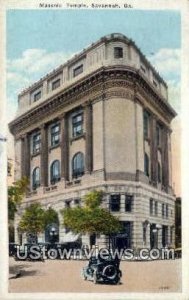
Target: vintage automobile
x=103 y=269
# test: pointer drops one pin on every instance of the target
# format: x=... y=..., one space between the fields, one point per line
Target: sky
x=40 y=40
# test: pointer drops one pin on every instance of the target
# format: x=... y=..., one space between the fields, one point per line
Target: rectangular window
x=118 y=52
x=167 y=210
x=151 y=206
x=156 y=208
x=146 y=165
x=146 y=121
x=55 y=84
x=158 y=135
x=55 y=134
x=128 y=203
x=37 y=96
x=115 y=202
x=36 y=143
x=77 y=125
x=163 y=210
x=78 y=70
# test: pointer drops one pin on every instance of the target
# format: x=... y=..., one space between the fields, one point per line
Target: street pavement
x=65 y=276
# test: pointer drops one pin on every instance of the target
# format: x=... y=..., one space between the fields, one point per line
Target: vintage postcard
x=94 y=149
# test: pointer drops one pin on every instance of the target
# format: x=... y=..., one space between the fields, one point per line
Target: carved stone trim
x=91 y=86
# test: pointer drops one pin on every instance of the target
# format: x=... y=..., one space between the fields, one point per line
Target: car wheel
x=117 y=279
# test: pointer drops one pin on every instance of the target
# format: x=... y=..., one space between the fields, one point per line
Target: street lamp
x=53 y=233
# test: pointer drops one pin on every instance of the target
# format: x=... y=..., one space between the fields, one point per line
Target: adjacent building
x=101 y=121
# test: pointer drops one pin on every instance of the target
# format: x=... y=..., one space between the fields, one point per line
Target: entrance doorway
x=123 y=240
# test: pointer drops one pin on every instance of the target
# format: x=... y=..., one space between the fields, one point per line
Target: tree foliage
x=91 y=218
x=35 y=219
x=50 y=217
x=16 y=194
x=32 y=220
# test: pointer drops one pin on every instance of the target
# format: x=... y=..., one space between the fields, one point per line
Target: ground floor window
x=114 y=202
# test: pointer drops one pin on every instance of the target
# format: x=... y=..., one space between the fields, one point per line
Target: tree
x=33 y=219
x=50 y=217
x=16 y=194
x=91 y=218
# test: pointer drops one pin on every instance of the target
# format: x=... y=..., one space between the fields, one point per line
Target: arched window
x=36 y=178
x=78 y=165
x=146 y=164
x=55 y=171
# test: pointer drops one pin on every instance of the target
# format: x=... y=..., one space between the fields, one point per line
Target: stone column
x=88 y=116
x=153 y=150
x=25 y=155
x=64 y=147
x=159 y=238
x=165 y=159
x=148 y=236
x=44 y=155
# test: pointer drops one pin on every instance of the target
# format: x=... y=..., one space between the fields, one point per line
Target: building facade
x=101 y=121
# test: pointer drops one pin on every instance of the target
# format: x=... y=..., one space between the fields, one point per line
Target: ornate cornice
x=100 y=84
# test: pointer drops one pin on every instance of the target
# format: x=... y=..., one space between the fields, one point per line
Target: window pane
x=55 y=171
x=118 y=52
x=146 y=124
x=128 y=203
x=55 y=84
x=78 y=70
x=115 y=202
x=77 y=125
x=146 y=165
x=78 y=165
x=36 y=178
x=36 y=143
x=37 y=96
x=156 y=208
x=55 y=135
x=151 y=206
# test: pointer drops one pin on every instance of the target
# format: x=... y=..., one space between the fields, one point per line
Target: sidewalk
x=65 y=276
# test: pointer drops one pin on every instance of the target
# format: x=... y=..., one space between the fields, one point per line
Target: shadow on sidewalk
x=19 y=271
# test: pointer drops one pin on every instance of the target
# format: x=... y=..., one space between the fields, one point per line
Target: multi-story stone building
x=101 y=121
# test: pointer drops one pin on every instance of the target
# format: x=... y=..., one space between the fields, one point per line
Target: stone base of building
x=143 y=226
